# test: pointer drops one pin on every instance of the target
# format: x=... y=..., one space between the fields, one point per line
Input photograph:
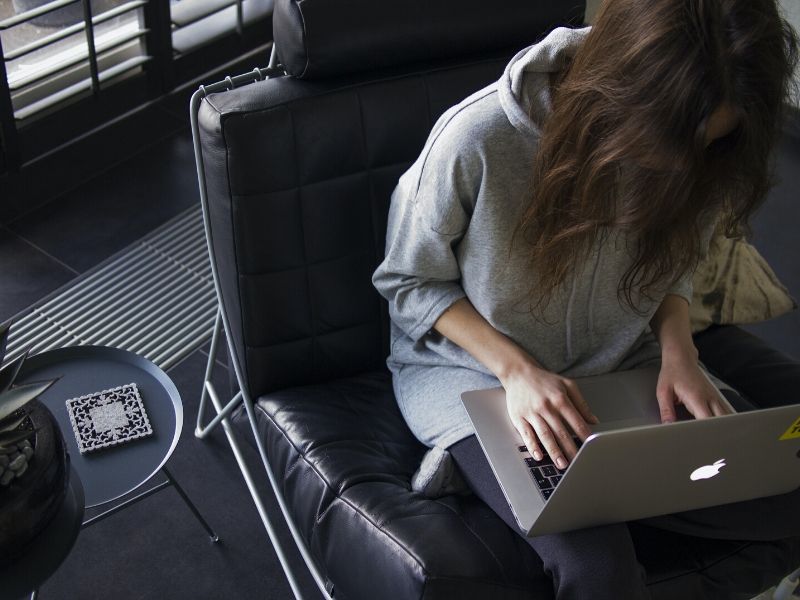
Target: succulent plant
x=16 y=449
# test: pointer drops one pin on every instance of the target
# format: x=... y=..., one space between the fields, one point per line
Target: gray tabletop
x=112 y=472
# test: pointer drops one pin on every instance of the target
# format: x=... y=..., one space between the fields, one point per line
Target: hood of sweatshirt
x=524 y=93
x=524 y=88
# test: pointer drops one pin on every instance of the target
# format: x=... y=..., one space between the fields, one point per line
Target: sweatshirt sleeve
x=429 y=214
x=683 y=287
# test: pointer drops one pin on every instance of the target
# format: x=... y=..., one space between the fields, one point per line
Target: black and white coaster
x=108 y=418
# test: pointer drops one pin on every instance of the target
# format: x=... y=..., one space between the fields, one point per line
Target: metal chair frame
x=242 y=397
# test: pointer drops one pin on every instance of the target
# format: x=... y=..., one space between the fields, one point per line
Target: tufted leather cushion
x=345 y=459
x=321 y=38
x=299 y=177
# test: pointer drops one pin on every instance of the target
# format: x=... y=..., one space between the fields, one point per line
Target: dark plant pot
x=30 y=502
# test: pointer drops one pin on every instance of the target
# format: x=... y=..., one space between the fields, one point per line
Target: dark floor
x=43 y=249
x=156 y=549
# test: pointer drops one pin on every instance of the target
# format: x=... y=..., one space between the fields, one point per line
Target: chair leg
x=214 y=537
x=201 y=431
x=262 y=509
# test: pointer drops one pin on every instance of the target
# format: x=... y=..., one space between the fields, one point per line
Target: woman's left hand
x=682 y=382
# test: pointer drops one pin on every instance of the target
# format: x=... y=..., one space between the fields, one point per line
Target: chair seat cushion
x=344 y=459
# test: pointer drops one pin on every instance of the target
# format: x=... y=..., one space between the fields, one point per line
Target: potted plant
x=34 y=465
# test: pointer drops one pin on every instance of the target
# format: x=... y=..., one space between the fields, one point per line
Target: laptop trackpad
x=623 y=399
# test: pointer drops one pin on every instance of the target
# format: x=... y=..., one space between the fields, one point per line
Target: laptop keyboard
x=544 y=473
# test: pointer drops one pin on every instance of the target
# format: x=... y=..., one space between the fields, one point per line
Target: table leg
x=214 y=537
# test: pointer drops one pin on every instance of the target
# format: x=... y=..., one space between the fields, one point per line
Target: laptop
x=632 y=466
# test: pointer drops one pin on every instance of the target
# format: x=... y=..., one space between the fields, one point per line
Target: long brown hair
x=625 y=144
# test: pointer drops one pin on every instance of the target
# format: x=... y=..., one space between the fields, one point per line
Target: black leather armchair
x=298 y=173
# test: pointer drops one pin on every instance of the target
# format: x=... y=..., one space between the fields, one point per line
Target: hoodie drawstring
x=568 y=317
x=593 y=290
x=591 y=301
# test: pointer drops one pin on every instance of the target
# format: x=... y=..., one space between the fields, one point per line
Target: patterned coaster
x=108 y=418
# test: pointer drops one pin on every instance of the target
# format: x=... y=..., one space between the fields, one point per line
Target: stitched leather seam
x=314 y=336
x=243 y=358
x=305 y=265
x=378 y=442
x=327 y=485
x=303 y=234
x=374 y=438
x=477 y=537
x=497 y=560
x=376 y=252
x=378 y=240
x=358 y=84
x=353 y=175
x=352 y=408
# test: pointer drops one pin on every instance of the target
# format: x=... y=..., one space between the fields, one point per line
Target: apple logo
x=707 y=471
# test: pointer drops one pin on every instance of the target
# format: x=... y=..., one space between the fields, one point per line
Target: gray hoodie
x=451 y=220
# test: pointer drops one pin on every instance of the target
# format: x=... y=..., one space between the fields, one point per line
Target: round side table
x=110 y=473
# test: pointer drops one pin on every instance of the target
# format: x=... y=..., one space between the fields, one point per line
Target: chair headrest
x=322 y=38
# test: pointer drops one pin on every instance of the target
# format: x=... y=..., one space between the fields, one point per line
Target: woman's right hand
x=546 y=408
x=543 y=406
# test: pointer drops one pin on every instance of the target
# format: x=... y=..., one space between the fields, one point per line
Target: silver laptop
x=632 y=466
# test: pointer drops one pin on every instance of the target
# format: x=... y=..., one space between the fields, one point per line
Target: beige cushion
x=735 y=285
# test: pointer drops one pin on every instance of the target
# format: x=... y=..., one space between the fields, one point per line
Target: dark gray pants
x=600 y=562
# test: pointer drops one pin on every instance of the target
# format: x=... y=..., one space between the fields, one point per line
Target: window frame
x=163 y=73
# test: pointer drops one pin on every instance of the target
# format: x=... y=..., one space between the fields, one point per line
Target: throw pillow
x=735 y=285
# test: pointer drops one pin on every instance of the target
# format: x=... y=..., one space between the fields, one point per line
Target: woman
x=550 y=228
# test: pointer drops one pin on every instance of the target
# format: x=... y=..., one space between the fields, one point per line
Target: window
x=51 y=56
x=70 y=55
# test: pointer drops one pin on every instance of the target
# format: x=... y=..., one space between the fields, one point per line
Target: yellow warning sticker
x=793 y=432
